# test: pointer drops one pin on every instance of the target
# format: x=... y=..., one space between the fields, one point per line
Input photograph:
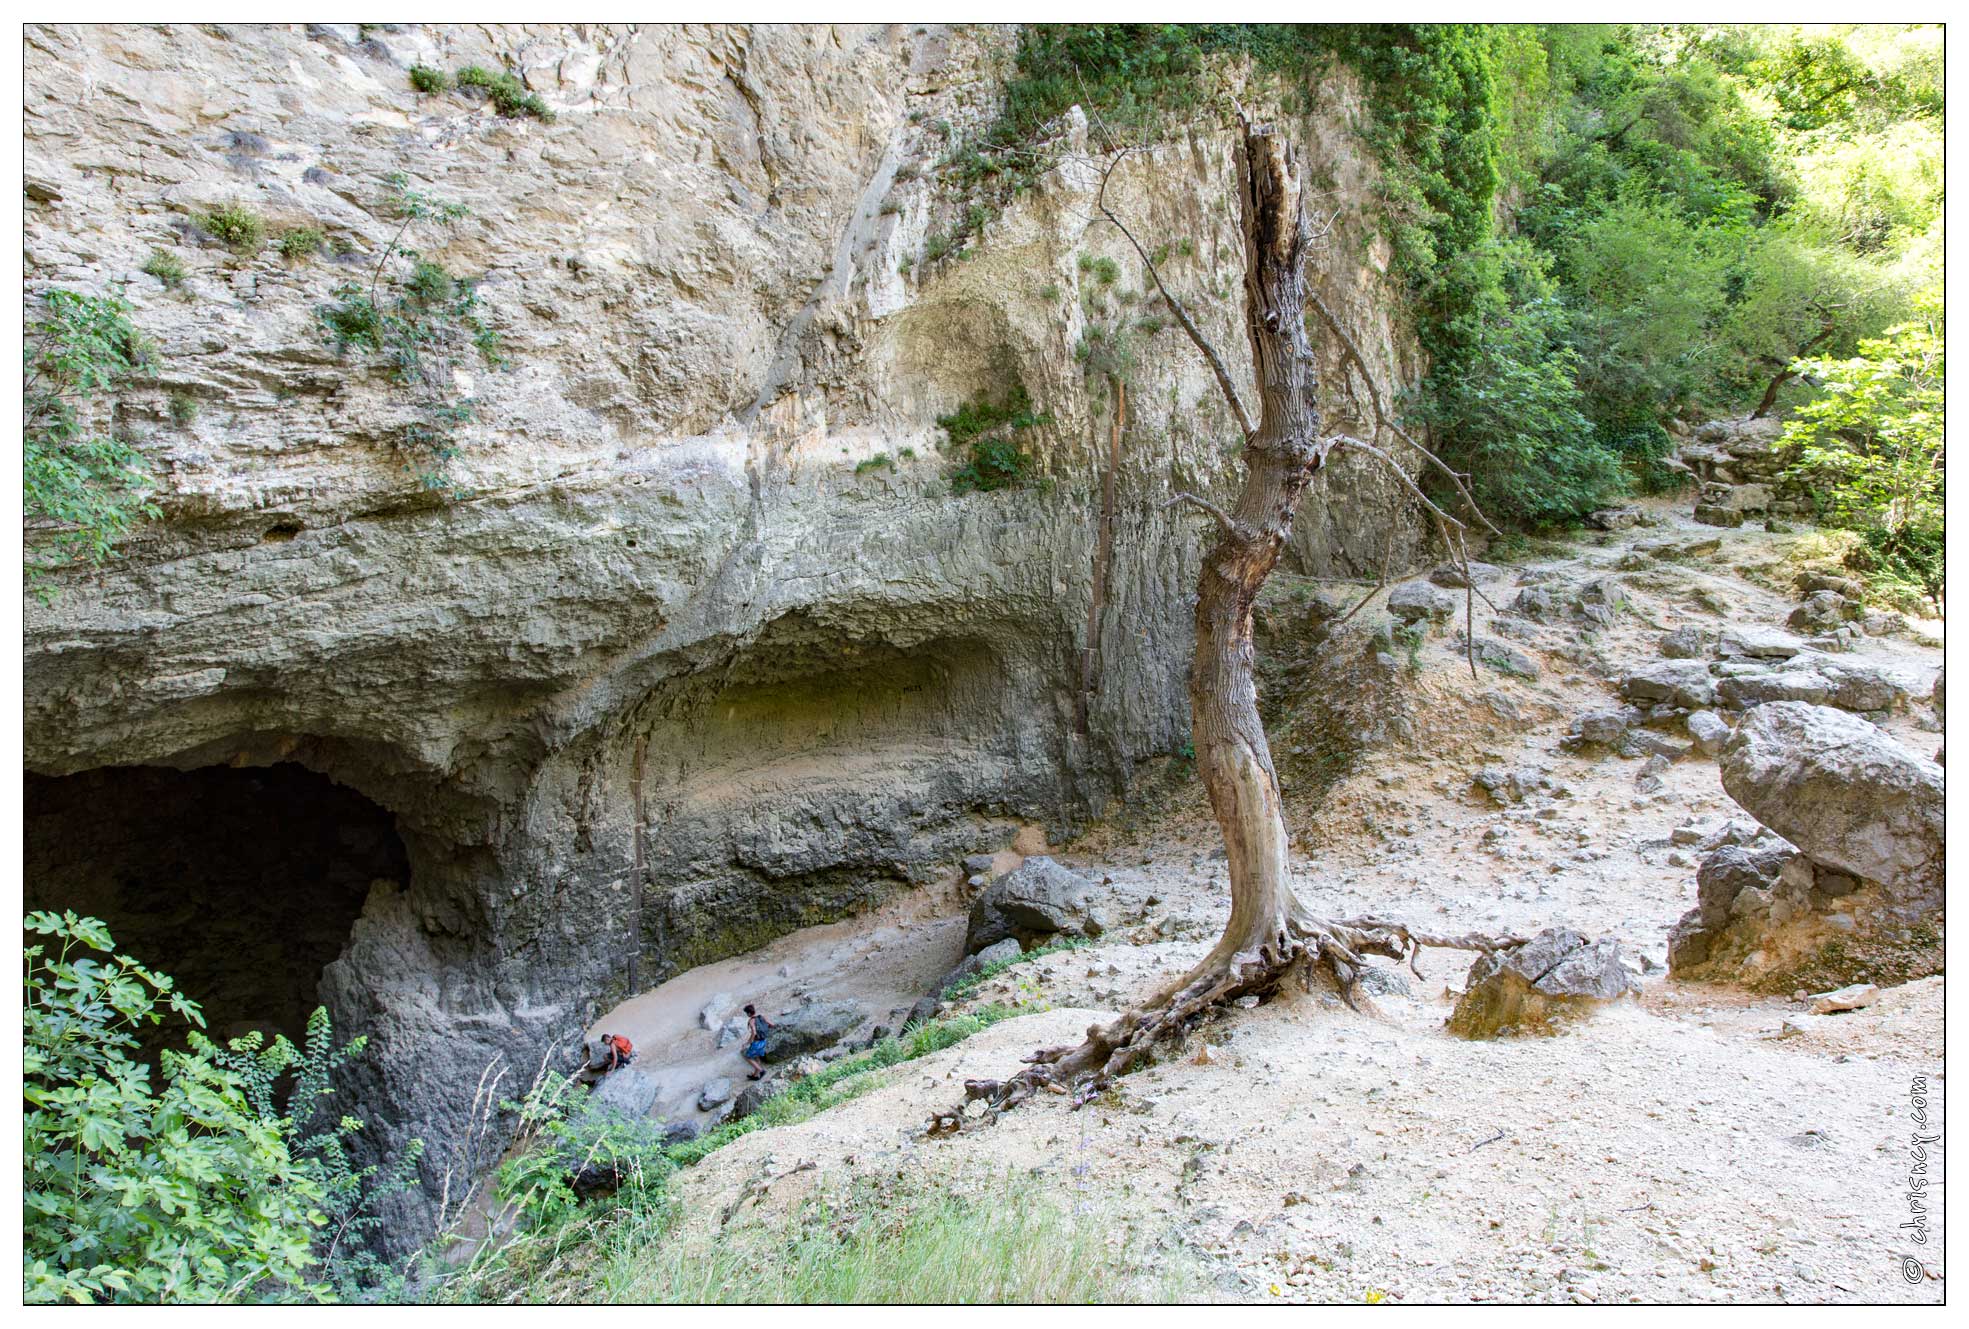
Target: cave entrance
x=243 y=884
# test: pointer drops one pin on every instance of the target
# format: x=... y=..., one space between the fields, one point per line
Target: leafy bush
x=237 y=227
x=428 y=80
x=184 y=409
x=989 y=433
x=878 y=462
x=285 y=1085
x=83 y=489
x=166 y=267
x=509 y=95
x=301 y=242
x=178 y=1193
x=562 y=1130
x=1870 y=448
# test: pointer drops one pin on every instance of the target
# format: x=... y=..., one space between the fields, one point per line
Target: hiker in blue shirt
x=755 y=1047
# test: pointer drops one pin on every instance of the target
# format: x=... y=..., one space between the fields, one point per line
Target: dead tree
x=1272 y=932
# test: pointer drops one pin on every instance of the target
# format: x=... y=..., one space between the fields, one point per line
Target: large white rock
x=1844 y=793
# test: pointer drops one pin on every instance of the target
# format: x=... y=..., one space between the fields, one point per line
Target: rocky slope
x=704 y=647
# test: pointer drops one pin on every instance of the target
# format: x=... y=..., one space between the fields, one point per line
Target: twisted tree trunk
x=1271 y=931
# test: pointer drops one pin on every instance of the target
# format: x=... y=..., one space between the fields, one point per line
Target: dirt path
x=1672 y=1148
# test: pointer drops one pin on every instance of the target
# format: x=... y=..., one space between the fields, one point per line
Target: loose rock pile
x=1740 y=469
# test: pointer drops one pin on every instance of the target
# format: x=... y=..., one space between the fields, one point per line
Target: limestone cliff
x=704 y=557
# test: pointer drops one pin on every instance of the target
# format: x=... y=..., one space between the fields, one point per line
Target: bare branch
x=1346 y=440
x=1382 y=419
x=1183 y=318
x=1223 y=518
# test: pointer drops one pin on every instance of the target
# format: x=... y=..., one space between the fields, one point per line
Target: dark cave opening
x=242 y=884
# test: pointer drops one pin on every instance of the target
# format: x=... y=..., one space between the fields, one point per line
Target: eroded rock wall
x=705 y=559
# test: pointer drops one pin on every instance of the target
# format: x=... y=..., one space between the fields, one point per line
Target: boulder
x=1709 y=730
x=1679 y=682
x=1414 y=601
x=713 y=1093
x=1759 y=643
x=1860 y=687
x=755 y=1095
x=627 y=1091
x=1505 y=785
x=1730 y=871
x=1744 y=691
x=680 y=1132
x=715 y=1012
x=1846 y=794
x=1601 y=727
x=811 y=1028
x=922 y=1012
x=1613 y=519
x=1823 y=611
x=1503 y=658
x=1556 y=976
x=1008 y=949
x=1852 y=997
x=1688 y=643
x=1481 y=574
x=1036 y=900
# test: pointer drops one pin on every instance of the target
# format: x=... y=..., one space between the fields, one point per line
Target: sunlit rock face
x=701 y=567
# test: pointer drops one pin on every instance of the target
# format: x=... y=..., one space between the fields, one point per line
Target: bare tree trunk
x=1270 y=931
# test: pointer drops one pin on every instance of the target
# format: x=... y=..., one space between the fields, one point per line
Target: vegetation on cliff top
x=1601 y=228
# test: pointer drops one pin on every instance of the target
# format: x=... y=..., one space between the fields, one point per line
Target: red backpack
x=619 y=1051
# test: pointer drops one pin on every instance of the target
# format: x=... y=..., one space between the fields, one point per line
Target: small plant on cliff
x=428 y=80
x=173 y=1193
x=509 y=95
x=236 y=227
x=166 y=267
x=989 y=432
x=301 y=242
x=84 y=488
x=421 y=326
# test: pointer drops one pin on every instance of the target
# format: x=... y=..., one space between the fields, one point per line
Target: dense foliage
x=1603 y=228
x=216 y=1183
x=1870 y=448
x=85 y=488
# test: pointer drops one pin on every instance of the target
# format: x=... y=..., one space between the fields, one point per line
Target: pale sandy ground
x=1670 y=1149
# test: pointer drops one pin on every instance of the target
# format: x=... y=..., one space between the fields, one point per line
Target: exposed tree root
x=1303 y=943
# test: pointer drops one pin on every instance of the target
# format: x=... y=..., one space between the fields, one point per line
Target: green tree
x=84 y=487
x=179 y=1192
x=1871 y=447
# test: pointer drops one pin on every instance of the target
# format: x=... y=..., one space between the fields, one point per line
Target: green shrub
x=879 y=461
x=562 y=1130
x=509 y=95
x=301 y=242
x=166 y=267
x=237 y=227
x=429 y=81
x=988 y=432
x=184 y=409
x=1870 y=449
x=1103 y=270
x=84 y=489
x=178 y=1193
